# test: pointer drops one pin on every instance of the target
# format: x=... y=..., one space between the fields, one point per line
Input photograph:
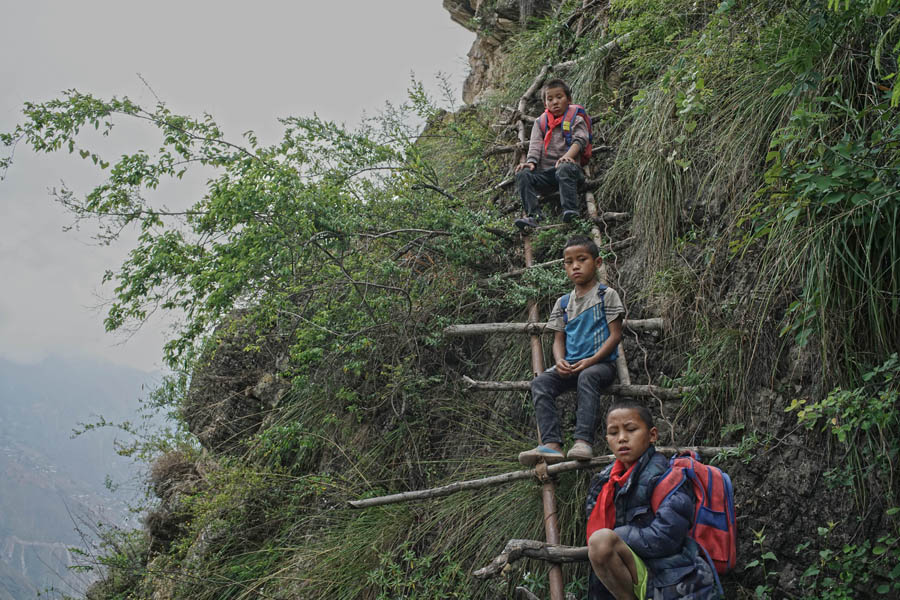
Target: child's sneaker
x=524 y=223
x=569 y=215
x=580 y=451
x=529 y=458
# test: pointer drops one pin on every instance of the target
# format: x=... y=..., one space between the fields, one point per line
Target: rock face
x=234 y=388
x=494 y=22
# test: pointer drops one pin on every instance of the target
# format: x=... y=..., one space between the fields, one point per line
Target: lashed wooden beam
x=495 y=480
x=645 y=391
x=652 y=324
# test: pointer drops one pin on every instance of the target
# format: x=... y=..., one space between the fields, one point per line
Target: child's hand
x=564 y=159
x=581 y=365
x=563 y=367
x=527 y=165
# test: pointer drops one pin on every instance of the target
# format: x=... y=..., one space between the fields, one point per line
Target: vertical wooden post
x=548 y=489
x=621 y=362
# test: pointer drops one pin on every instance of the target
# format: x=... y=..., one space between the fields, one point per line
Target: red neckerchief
x=552 y=122
x=604 y=514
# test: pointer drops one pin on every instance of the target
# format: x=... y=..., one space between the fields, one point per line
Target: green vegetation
x=756 y=145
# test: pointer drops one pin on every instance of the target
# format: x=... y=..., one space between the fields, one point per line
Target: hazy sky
x=244 y=63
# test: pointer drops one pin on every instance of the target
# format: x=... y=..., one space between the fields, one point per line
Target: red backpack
x=573 y=111
x=715 y=527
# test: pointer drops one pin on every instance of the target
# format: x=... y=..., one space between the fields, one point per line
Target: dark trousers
x=564 y=179
x=590 y=383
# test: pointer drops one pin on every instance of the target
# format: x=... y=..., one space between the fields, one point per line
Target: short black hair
x=583 y=240
x=642 y=411
x=556 y=83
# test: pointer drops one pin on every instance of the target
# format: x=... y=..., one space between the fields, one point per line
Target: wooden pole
x=621 y=361
x=460 y=330
x=617 y=389
x=513 y=476
x=548 y=489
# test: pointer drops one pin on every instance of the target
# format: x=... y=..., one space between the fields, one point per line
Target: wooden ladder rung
x=617 y=389
x=513 y=476
x=652 y=324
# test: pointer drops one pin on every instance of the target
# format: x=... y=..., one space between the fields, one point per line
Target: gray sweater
x=557 y=146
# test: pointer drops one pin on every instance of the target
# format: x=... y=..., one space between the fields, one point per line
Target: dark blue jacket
x=660 y=539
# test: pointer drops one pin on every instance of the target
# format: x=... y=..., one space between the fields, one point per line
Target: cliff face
x=706 y=152
x=494 y=22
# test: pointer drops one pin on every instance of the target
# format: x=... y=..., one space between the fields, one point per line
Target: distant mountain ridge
x=49 y=478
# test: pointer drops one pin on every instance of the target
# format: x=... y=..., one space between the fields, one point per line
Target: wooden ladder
x=550 y=550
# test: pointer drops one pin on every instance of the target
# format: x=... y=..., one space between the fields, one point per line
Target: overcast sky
x=244 y=63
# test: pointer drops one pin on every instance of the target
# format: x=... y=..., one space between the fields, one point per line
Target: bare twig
x=428 y=186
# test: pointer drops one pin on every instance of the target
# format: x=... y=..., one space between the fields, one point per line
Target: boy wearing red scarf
x=551 y=163
x=636 y=554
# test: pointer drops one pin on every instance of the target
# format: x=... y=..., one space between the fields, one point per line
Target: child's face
x=628 y=435
x=556 y=101
x=581 y=267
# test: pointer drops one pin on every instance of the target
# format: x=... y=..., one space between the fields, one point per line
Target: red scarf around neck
x=552 y=123
x=604 y=514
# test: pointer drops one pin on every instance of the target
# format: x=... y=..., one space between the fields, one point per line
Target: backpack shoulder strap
x=680 y=468
x=568 y=118
x=563 y=305
x=542 y=123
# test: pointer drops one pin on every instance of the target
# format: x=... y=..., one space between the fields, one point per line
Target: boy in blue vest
x=587 y=326
x=637 y=554
x=553 y=159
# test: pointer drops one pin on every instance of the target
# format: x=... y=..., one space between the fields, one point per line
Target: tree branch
x=516 y=549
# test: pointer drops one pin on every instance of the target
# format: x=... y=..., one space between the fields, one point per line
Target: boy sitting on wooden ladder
x=636 y=553
x=588 y=328
x=560 y=145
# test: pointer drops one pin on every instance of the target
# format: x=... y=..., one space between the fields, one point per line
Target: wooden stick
x=548 y=485
x=516 y=549
x=504 y=149
x=607 y=46
x=622 y=243
x=524 y=592
x=495 y=480
x=549 y=263
x=610 y=216
x=652 y=324
x=504 y=183
x=612 y=246
x=523 y=101
x=618 y=389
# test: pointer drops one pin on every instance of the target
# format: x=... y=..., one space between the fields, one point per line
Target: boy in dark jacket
x=551 y=163
x=636 y=554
